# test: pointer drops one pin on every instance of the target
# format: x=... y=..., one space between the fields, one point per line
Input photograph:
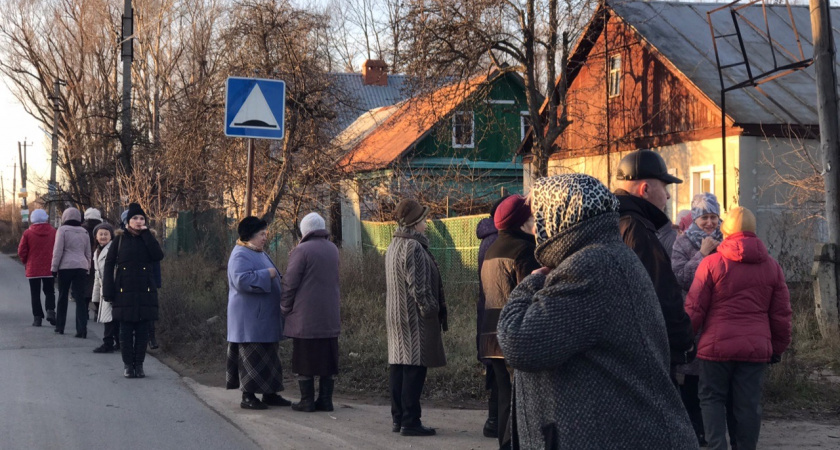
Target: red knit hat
x=512 y=213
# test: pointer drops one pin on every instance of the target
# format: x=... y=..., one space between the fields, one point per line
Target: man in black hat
x=642 y=180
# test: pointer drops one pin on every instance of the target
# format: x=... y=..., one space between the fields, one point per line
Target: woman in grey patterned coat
x=585 y=333
x=415 y=316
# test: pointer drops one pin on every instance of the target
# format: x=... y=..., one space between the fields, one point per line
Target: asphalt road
x=55 y=393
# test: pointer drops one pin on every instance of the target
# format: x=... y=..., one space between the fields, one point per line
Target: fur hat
x=511 y=213
x=104 y=226
x=311 y=222
x=563 y=201
x=134 y=209
x=93 y=214
x=705 y=203
x=737 y=220
x=39 y=216
x=250 y=226
x=409 y=213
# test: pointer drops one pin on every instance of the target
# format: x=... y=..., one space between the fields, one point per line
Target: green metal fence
x=452 y=242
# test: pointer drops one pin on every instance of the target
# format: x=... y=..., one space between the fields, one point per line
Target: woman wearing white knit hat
x=310 y=306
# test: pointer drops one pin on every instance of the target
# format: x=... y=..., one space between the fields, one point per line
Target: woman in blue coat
x=254 y=320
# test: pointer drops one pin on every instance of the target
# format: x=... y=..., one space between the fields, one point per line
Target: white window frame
x=523 y=124
x=673 y=191
x=471 y=144
x=698 y=174
x=501 y=102
x=614 y=76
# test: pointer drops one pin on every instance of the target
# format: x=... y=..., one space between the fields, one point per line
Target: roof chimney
x=375 y=73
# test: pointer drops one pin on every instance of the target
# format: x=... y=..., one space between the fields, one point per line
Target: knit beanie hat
x=134 y=209
x=71 y=214
x=512 y=213
x=39 y=216
x=93 y=214
x=496 y=206
x=409 y=213
x=562 y=201
x=737 y=220
x=104 y=226
x=124 y=219
x=705 y=203
x=311 y=222
x=250 y=226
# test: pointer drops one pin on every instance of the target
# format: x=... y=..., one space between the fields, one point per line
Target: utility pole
x=24 y=211
x=826 y=257
x=127 y=53
x=53 y=188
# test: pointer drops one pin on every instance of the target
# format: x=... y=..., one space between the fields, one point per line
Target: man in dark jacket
x=508 y=261
x=642 y=194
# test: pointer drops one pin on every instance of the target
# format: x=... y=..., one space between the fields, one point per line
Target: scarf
x=695 y=235
x=248 y=245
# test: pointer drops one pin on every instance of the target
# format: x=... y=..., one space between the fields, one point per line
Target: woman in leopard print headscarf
x=585 y=333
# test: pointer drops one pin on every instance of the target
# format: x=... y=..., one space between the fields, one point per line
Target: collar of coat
x=411 y=233
x=248 y=245
x=630 y=204
x=599 y=229
x=315 y=235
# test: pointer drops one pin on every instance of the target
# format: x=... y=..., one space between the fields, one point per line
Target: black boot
x=250 y=401
x=37 y=322
x=51 y=316
x=307 y=396
x=152 y=340
x=138 y=371
x=104 y=348
x=325 y=392
x=275 y=400
x=129 y=371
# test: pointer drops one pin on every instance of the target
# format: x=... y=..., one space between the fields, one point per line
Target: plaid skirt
x=254 y=367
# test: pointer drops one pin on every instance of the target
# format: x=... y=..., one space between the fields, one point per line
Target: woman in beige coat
x=416 y=314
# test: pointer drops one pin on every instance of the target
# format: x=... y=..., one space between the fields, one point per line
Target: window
x=463 y=124
x=702 y=180
x=615 y=75
x=524 y=123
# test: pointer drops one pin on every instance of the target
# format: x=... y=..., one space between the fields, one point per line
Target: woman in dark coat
x=310 y=306
x=585 y=333
x=255 y=324
x=128 y=282
x=415 y=317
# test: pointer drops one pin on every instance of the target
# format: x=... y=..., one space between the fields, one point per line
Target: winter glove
x=443 y=318
x=680 y=358
x=775 y=359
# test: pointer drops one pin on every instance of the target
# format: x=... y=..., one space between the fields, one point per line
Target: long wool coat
x=253 y=298
x=413 y=301
x=105 y=310
x=590 y=350
x=128 y=279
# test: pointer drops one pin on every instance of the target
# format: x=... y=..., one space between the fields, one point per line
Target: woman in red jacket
x=35 y=252
x=741 y=303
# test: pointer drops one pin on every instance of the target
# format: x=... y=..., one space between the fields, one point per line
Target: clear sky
x=16 y=126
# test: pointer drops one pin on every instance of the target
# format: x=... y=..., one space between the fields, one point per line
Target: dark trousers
x=744 y=380
x=48 y=285
x=112 y=333
x=493 y=402
x=406 y=386
x=503 y=382
x=691 y=401
x=72 y=279
x=134 y=336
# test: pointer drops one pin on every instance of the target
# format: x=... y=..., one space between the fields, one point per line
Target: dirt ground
x=363 y=421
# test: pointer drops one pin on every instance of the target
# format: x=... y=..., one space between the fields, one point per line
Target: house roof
x=362 y=127
x=681 y=33
x=412 y=120
x=355 y=98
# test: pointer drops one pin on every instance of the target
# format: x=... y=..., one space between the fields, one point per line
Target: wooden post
x=826 y=288
x=249 y=183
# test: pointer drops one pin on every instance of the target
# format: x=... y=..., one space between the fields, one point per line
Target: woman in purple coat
x=311 y=307
x=254 y=321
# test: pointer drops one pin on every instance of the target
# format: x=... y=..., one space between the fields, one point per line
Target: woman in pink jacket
x=741 y=303
x=71 y=262
x=35 y=251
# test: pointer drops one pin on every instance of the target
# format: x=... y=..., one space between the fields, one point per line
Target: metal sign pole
x=249 y=183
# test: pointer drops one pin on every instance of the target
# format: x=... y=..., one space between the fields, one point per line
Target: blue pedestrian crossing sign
x=255 y=108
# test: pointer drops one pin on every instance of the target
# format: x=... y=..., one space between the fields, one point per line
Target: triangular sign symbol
x=255 y=112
